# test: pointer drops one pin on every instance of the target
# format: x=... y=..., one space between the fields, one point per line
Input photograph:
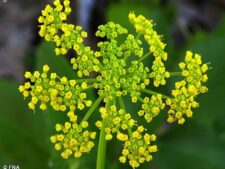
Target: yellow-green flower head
x=131 y=46
x=186 y=90
x=138 y=148
x=73 y=139
x=110 y=30
x=60 y=93
x=85 y=61
x=52 y=19
x=156 y=47
x=114 y=120
x=159 y=72
x=118 y=72
x=182 y=103
x=194 y=71
x=151 y=107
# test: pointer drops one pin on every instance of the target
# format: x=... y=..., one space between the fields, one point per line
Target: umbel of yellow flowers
x=115 y=78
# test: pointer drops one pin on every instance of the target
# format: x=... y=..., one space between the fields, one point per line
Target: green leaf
x=23 y=138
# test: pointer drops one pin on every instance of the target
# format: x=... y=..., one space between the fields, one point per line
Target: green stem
x=138 y=36
x=122 y=105
x=154 y=93
x=92 y=109
x=86 y=80
x=114 y=101
x=101 y=66
x=125 y=58
x=89 y=87
x=144 y=57
x=129 y=131
x=140 y=99
x=175 y=73
x=102 y=144
x=101 y=149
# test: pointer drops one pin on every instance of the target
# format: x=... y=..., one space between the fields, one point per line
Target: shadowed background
x=196 y=25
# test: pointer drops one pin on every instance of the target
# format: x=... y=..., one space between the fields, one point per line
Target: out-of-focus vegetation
x=198 y=144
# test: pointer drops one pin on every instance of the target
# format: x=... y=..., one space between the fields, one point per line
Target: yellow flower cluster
x=151 y=107
x=132 y=45
x=110 y=30
x=112 y=81
x=117 y=76
x=74 y=139
x=138 y=148
x=182 y=102
x=159 y=72
x=120 y=82
x=109 y=50
x=61 y=93
x=114 y=120
x=194 y=71
x=67 y=36
x=186 y=90
x=156 y=47
x=70 y=37
x=52 y=21
x=85 y=62
x=138 y=81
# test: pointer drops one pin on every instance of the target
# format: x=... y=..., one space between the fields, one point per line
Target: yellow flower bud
x=122 y=159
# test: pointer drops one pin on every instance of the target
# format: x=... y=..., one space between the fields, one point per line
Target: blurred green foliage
x=198 y=144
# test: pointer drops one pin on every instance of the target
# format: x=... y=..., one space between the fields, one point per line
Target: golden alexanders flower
x=120 y=73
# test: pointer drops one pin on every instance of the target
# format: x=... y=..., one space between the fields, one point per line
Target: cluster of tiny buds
x=75 y=139
x=151 y=107
x=145 y=27
x=62 y=94
x=186 y=90
x=114 y=120
x=138 y=148
x=119 y=72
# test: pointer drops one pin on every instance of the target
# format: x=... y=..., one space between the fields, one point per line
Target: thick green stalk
x=101 y=149
x=92 y=109
x=122 y=105
x=102 y=144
